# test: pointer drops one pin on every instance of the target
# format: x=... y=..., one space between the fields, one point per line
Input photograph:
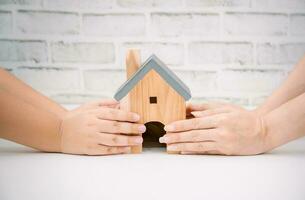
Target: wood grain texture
x=133 y=62
x=170 y=105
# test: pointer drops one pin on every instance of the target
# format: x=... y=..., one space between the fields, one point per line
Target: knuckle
x=116 y=126
x=128 y=128
x=113 y=140
x=90 y=136
x=108 y=150
x=200 y=146
x=112 y=150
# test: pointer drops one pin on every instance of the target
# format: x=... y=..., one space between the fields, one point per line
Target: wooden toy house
x=154 y=92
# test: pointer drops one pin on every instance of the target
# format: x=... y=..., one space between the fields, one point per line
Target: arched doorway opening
x=154 y=130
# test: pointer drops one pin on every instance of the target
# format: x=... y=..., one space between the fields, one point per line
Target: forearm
x=291 y=88
x=28 y=124
x=286 y=122
x=20 y=90
x=27 y=117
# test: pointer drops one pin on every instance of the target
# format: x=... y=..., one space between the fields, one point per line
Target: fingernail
x=138 y=140
x=163 y=139
x=169 y=128
x=136 y=117
x=172 y=148
x=142 y=128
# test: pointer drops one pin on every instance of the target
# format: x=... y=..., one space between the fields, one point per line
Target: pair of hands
x=101 y=128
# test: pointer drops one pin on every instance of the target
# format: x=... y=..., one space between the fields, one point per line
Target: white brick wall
x=202 y=53
x=45 y=22
x=83 y=52
x=114 y=24
x=185 y=24
x=256 y=24
x=297 y=24
x=23 y=50
x=225 y=3
x=51 y=79
x=73 y=50
x=171 y=53
x=5 y=22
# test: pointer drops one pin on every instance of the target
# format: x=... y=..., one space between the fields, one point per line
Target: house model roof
x=153 y=62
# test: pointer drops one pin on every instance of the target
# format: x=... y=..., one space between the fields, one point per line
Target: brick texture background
x=73 y=50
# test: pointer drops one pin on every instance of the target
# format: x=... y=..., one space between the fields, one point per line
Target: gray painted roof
x=153 y=62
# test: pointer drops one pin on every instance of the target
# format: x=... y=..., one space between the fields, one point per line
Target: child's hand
x=217 y=129
x=100 y=129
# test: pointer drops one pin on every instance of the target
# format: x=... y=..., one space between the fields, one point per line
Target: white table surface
x=28 y=174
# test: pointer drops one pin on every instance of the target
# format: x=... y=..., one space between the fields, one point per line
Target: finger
x=195 y=123
x=198 y=147
x=108 y=126
x=190 y=136
x=210 y=112
x=105 y=150
x=117 y=140
x=116 y=114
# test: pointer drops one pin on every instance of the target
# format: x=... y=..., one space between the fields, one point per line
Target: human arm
x=27 y=124
x=18 y=89
x=28 y=117
x=33 y=120
x=292 y=87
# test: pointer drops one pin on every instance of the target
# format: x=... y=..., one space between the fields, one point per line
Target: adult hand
x=217 y=129
x=99 y=128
